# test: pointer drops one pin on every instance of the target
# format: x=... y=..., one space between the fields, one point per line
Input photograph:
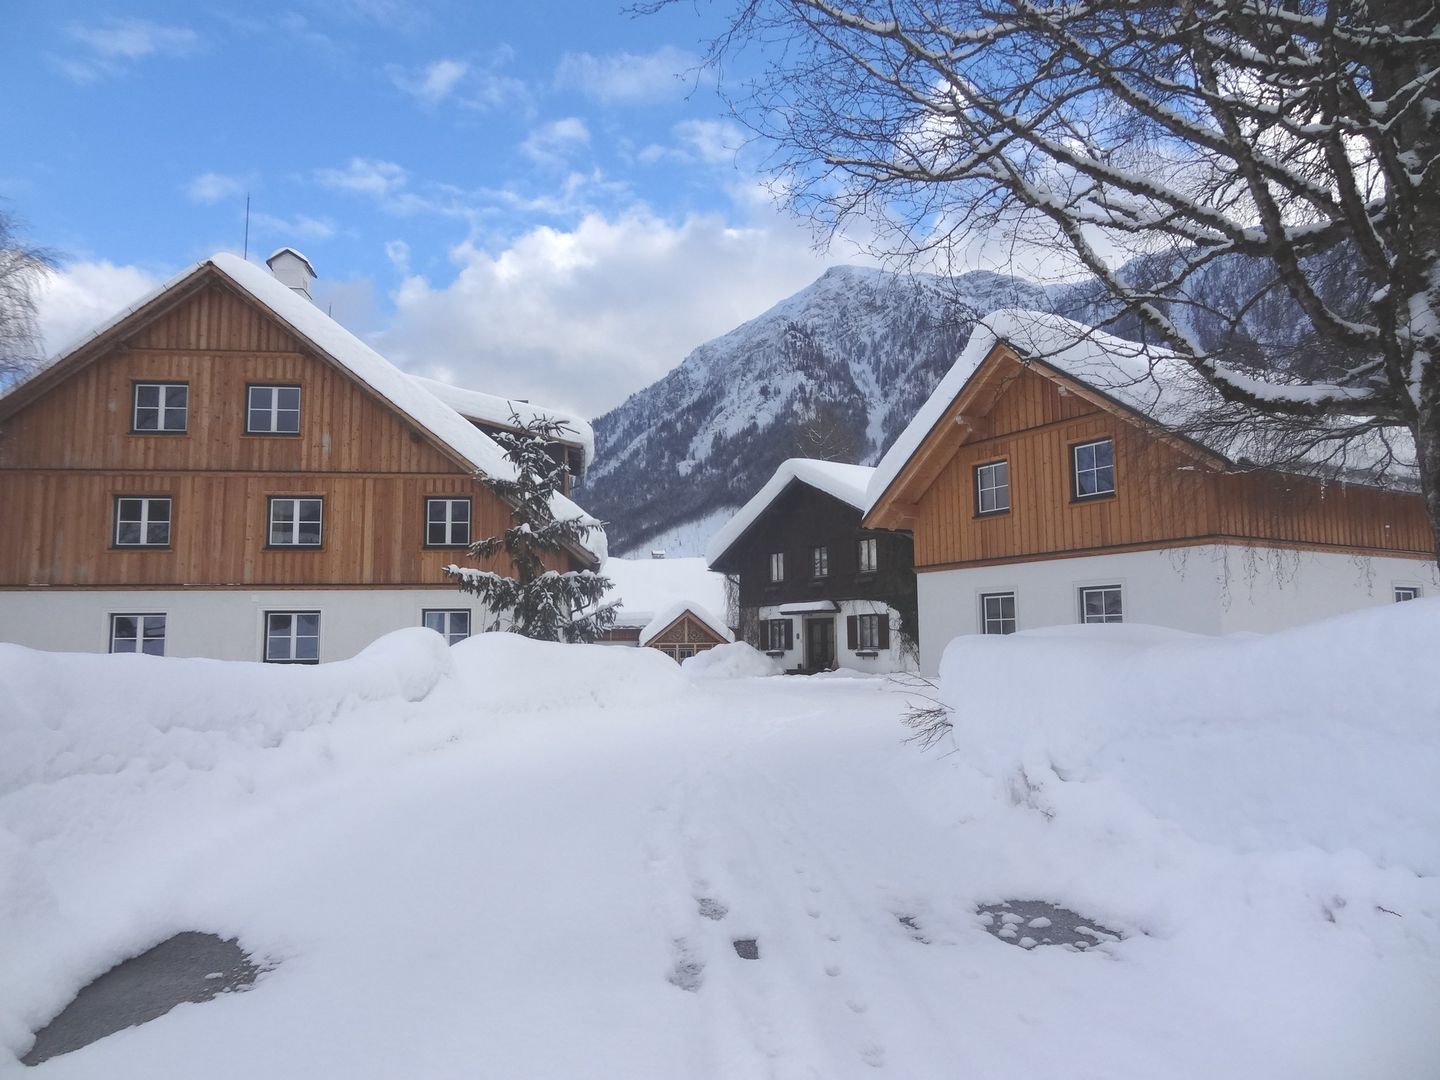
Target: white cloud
x=366 y=176
x=398 y=252
x=710 y=142
x=581 y=318
x=208 y=188
x=290 y=230
x=433 y=83
x=616 y=78
x=73 y=301
x=555 y=142
x=113 y=46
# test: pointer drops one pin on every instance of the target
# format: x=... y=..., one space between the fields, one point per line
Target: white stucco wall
x=1211 y=589
x=222 y=624
x=885 y=660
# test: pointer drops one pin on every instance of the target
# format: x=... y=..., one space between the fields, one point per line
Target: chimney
x=292 y=270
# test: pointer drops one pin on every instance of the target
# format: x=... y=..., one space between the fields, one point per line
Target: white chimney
x=293 y=270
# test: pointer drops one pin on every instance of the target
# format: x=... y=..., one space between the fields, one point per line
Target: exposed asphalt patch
x=1029 y=923
x=190 y=966
x=747 y=948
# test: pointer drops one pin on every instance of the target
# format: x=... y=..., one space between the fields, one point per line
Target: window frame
x=449 y=522
x=117 y=544
x=820 y=562
x=136 y=429
x=141 y=637
x=1013 y=618
x=867 y=641
x=448 y=633
x=295 y=523
x=980 y=489
x=293 y=638
x=777 y=567
x=1416 y=593
x=1085 y=619
x=775 y=629
x=274 y=410
x=872 y=545
x=1075 y=494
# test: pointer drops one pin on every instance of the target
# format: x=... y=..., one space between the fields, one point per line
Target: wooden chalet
x=817 y=589
x=222 y=470
x=1059 y=475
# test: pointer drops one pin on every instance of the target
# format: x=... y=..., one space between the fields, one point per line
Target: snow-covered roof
x=499 y=411
x=668 y=615
x=423 y=408
x=645 y=587
x=292 y=251
x=1158 y=384
x=847 y=483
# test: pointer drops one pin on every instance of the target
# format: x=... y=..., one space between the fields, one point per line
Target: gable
x=797 y=513
x=218 y=342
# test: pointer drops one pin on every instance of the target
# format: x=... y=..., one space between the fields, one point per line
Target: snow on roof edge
x=669 y=614
x=495 y=409
x=848 y=483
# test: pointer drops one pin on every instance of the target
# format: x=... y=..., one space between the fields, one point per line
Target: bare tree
x=21 y=269
x=1150 y=141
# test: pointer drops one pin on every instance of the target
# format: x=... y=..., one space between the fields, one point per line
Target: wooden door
x=819 y=644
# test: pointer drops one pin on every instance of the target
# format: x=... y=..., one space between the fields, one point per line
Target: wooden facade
x=1168 y=491
x=800 y=519
x=685 y=637
x=67 y=451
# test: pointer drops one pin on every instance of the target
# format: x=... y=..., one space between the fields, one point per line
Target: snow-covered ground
x=507 y=859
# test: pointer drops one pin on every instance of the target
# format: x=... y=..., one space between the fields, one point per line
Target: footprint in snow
x=710 y=908
x=688 y=973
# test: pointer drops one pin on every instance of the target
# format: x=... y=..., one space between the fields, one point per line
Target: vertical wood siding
x=1164 y=495
x=66 y=455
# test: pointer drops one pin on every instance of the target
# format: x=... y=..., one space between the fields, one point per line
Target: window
x=778 y=635
x=453 y=626
x=868 y=558
x=997 y=613
x=138 y=633
x=292 y=637
x=161 y=407
x=820 y=562
x=992 y=488
x=1101 y=604
x=142 y=521
x=447 y=522
x=1407 y=592
x=777 y=566
x=295 y=522
x=1093 y=467
x=867 y=632
x=272 y=410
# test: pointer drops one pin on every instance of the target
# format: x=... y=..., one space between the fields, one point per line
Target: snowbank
x=66 y=714
x=508 y=673
x=1327 y=735
x=734 y=661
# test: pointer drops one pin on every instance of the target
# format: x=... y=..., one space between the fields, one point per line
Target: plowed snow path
x=557 y=895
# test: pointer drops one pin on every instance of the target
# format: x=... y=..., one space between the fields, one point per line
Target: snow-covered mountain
x=835 y=371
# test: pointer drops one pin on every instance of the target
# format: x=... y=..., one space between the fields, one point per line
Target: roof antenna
x=246 y=254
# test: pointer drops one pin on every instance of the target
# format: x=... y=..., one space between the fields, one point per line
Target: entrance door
x=819 y=644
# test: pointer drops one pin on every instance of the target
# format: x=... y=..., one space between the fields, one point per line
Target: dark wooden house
x=814 y=589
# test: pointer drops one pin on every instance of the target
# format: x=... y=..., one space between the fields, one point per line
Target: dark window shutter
x=789 y=634
x=852 y=631
x=884 y=621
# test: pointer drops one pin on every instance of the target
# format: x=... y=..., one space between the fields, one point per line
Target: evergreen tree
x=544 y=604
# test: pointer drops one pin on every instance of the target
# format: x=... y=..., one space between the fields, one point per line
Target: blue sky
x=519 y=197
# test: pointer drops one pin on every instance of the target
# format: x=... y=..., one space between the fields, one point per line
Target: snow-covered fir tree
x=537 y=602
